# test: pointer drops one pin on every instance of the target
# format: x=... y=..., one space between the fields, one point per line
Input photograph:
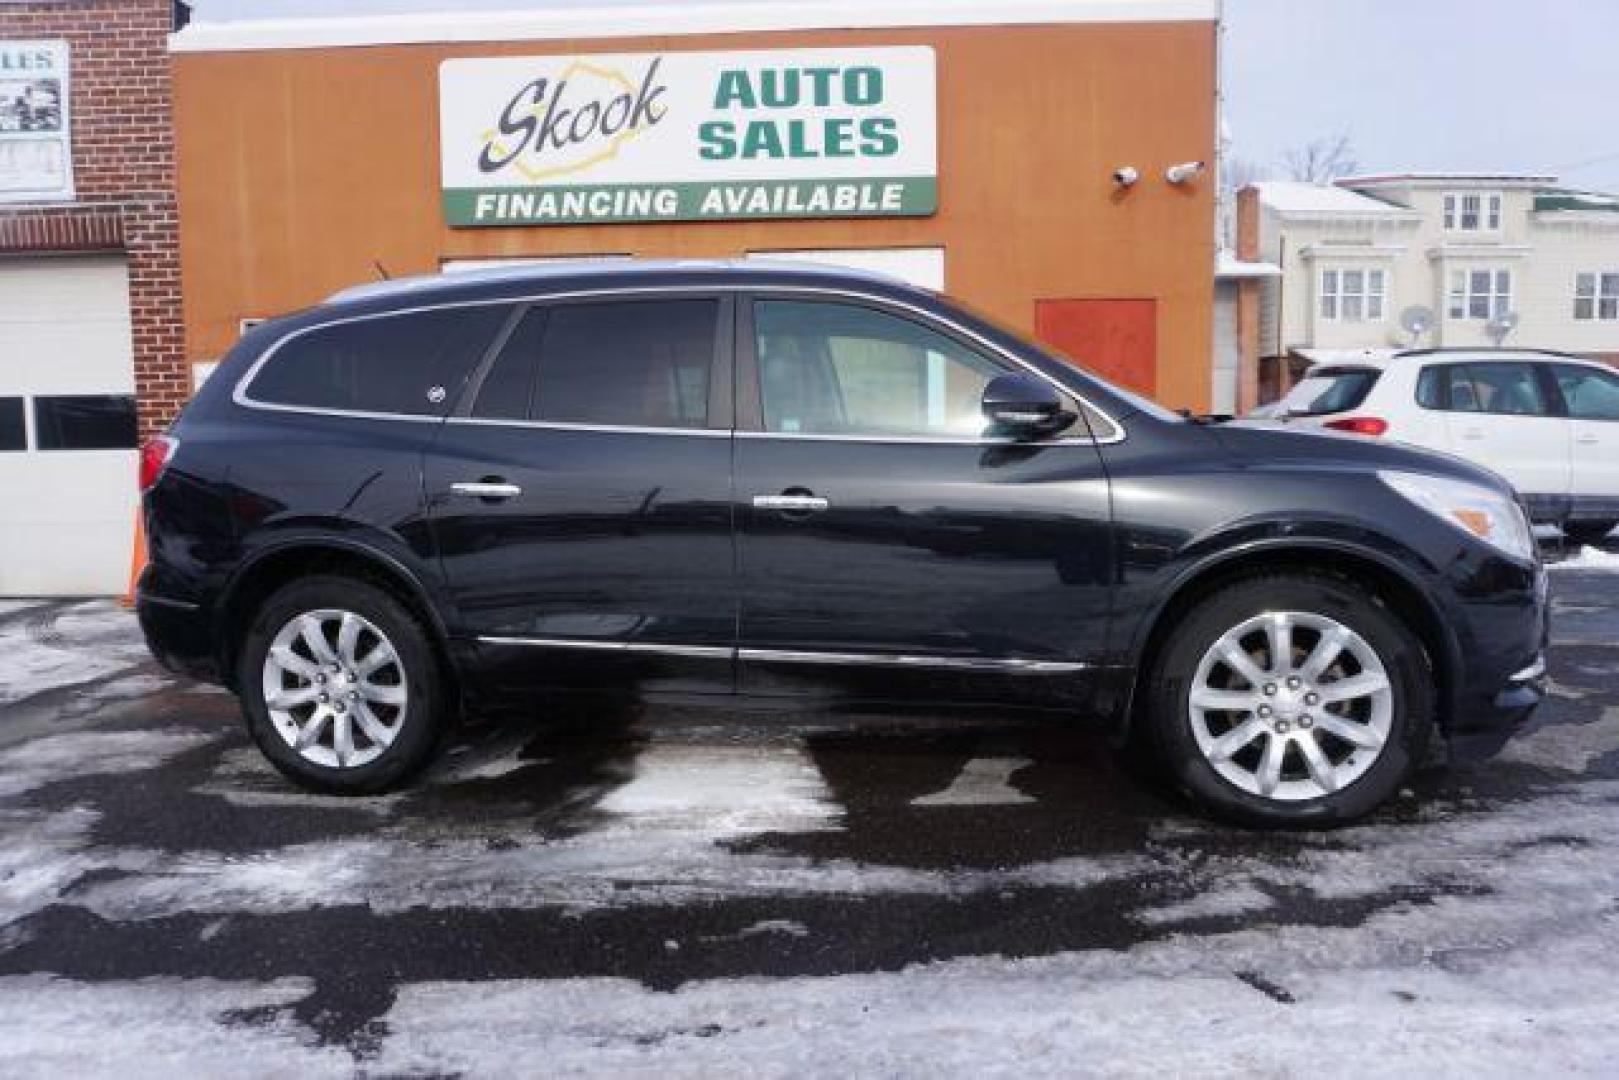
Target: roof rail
x=1453 y=349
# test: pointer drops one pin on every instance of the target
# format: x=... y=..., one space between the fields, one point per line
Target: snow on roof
x=1228 y=266
x=1428 y=179
x=1291 y=198
x=586 y=20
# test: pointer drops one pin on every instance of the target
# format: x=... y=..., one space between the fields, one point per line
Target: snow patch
x=1588 y=558
x=60 y=757
x=66 y=646
x=1241 y=899
x=158 y=1028
x=983 y=781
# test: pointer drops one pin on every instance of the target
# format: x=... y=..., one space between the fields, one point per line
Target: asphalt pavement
x=686 y=891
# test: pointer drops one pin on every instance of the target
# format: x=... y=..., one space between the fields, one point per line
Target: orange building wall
x=299 y=169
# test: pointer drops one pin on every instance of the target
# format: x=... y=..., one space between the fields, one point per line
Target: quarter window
x=413 y=364
x=621 y=364
x=1505 y=389
x=1589 y=393
x=841 y=369
x=1473 y=212
x=1596 y=296
x=85 y=422
x=1353 y=295
x=1479 y=294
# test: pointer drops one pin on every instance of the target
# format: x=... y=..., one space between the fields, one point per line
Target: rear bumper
x=178 y=632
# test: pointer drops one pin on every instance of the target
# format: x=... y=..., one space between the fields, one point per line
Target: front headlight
x=1476 y=510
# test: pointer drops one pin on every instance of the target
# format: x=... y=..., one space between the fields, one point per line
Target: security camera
x=1185 y=171
x=1126 y=176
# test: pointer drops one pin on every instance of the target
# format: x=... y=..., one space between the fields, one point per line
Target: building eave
x=649 y=20
x=1441 y=179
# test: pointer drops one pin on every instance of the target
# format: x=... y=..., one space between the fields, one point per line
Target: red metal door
x=1117 y=339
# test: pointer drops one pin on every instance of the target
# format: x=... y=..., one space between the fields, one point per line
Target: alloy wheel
x=1291 y=705
x=335 y=688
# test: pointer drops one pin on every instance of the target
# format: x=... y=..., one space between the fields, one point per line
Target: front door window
x=841 y=369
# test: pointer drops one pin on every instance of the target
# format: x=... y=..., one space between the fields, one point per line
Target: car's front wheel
x=1290 y=700
x=340 y=685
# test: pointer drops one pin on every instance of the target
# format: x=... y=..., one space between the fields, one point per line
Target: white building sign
x=684 y=136
x=36 y=133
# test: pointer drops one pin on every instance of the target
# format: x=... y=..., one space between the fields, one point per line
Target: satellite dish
x=1416 y=320
x=1501 y=325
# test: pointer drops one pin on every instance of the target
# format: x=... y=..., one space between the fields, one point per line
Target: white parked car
x=1547 y=422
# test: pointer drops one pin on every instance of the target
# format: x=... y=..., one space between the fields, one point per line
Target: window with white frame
x=1473 y=212
x=1352 y=295
x=1480 y=294
x=1596 y=296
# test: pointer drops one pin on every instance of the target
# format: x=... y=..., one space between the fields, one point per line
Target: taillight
x=1360 y=425
x=155 y=457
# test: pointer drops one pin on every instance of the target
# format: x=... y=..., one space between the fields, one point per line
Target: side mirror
x=1026 y=406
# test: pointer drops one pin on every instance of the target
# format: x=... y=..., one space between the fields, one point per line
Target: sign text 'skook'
x=689 y=136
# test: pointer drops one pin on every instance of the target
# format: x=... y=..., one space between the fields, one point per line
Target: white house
x=1467 y=247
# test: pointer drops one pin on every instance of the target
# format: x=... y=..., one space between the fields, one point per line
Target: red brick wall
x=123 y=167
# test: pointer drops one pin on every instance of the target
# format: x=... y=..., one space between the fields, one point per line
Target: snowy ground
x=688 y=895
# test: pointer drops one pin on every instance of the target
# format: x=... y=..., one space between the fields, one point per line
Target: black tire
x=1166 y=716
x=420 y=722
x=1588 y=532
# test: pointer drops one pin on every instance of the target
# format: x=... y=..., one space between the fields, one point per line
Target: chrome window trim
x=1012 y=665
x=563 y=425
x=240 y=395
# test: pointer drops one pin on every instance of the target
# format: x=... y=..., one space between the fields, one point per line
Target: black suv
x=438 y=495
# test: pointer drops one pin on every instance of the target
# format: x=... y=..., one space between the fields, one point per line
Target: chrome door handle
x=1472 y=433
x=797 y=504
x=486 y=489
x=1587 y=440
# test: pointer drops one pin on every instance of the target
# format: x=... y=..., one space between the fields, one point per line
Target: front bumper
x=1502 y=678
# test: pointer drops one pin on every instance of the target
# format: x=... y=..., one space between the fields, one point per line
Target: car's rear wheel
x=1588 y=532
x=340 y=685
x=1290 y=700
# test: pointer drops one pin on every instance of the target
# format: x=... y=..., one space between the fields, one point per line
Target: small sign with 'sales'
x=36 y=132
x=788 y=133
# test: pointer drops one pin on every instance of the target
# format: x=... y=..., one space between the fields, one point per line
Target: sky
x=1417 y=85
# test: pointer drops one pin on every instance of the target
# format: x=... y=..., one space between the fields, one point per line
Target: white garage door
x=67 y=426
x=919 y=266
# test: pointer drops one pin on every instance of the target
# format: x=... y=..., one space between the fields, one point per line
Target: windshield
x=1329 y=390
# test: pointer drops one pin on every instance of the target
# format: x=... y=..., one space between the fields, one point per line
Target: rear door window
x=1503 y=388
x=635 y=363
x=1331 y=390
x=411 y=364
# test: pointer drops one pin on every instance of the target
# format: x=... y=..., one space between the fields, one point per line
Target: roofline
x=1421 y=178
x=672 y=20
x=1379 y=209
x=697 y=272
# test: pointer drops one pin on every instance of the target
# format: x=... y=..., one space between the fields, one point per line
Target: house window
x=1480 y=294
x=1596 y=296
x=1352 y=295
x=1475 y=212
